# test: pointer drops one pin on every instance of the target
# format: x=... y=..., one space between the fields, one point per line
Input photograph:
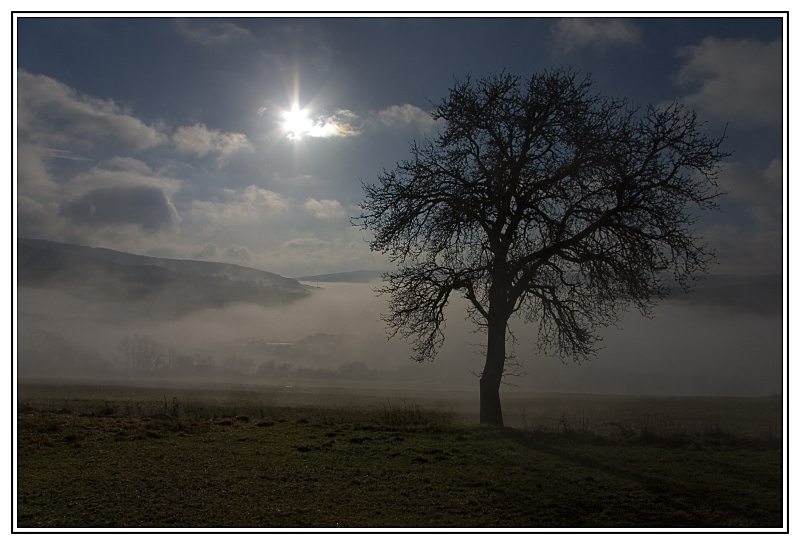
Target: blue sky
x=167 y=136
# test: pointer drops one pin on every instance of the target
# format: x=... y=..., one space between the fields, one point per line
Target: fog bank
x=684 y=350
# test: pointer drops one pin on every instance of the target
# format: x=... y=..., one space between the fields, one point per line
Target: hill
x=174 y=286
x=758 y=294
x=353 y=277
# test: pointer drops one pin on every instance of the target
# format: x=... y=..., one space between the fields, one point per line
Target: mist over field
x=686 y=349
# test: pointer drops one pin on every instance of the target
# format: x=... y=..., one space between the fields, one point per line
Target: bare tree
x=142 y=352
x=542 y=200
x=44 y=352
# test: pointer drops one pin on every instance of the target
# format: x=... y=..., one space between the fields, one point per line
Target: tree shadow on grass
x=701 y=504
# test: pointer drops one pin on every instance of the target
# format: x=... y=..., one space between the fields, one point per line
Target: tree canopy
x=544 y=200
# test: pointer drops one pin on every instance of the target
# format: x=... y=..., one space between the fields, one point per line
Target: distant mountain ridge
x=162 y=285
x=759 y=294
x=354 y=277
x=210 y=268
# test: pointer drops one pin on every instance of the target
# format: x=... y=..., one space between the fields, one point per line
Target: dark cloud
x=144 y=206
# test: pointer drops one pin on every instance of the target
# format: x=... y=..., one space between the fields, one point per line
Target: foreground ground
x=134 y=458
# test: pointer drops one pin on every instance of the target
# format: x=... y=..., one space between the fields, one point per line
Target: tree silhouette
x=142 y=352
x=542 y=200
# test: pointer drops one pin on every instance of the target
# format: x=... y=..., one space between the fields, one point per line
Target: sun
x=297 y=123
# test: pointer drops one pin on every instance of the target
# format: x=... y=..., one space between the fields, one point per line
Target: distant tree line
x=47 y=354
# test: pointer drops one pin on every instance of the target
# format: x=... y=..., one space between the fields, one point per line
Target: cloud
x=279 y=232
x=576 y=33
x=120 y=172
x=209 y=251
x=198 y=140
x=263 y=199
x=325 y=209
x=308 y=253
x=209 y=32
x=129 y=164
x=407 y=115
x=52 y=114
x=236 y=209
x=55 y=153
x=61 y=211
x=37 y=220
x=744 y=250
x=750 y=241
x=345 y=123
x=298 y=125
x=762 y=191
x=55 y=121
x=143 y=206
x=33 y=174
x=739 y=81
x=237 y=253
x=305 y=244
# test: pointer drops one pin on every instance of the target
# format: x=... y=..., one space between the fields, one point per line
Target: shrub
x=409 y=414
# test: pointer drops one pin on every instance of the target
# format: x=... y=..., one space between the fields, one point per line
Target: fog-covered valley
x=91 y=312
x=325 y=336
x=723 y=339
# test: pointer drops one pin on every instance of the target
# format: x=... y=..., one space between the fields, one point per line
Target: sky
x=246 y=140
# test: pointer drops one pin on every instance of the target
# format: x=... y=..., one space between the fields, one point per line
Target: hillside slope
x=168 y=285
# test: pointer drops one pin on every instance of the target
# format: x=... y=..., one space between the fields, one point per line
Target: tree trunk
x=491 y=410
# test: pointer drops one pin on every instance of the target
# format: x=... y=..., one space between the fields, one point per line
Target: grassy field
x=114 y=456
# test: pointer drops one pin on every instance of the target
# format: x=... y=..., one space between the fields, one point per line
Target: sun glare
x=297 y=123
